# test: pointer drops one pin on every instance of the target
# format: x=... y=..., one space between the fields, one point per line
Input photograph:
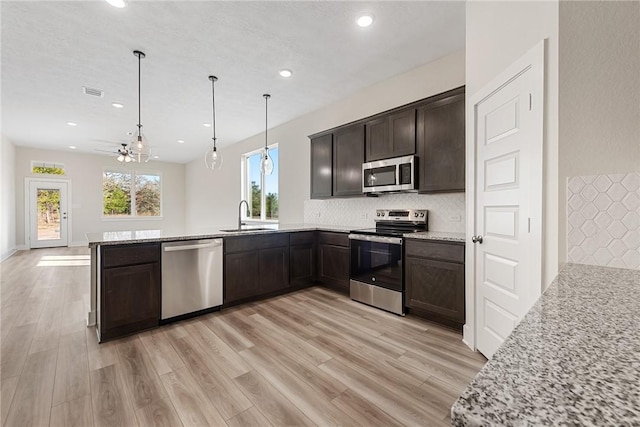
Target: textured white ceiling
x=50 y=49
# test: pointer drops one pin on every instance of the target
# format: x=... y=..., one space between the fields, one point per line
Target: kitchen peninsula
x=259 y=262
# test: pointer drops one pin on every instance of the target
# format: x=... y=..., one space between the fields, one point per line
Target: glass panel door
x=48 y=214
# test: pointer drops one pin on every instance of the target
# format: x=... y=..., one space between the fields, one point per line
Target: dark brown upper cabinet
x=322 y=167
x=441 y=143
x=391 y=135
x=348 y=157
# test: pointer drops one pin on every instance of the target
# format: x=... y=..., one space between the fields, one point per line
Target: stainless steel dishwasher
x=191 y=277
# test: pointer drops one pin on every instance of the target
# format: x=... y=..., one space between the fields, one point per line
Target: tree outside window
x=131 y=194
x=263 y=205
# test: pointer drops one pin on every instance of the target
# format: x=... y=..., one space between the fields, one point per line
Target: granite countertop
x=573 y=360
x=437 y=235
x=142 y=236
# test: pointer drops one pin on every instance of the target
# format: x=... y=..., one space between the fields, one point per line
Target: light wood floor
x=309 y=358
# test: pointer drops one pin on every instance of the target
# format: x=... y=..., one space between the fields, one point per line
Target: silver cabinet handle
x=477 y=239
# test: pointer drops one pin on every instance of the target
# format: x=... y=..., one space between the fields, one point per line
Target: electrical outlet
x=455 y=218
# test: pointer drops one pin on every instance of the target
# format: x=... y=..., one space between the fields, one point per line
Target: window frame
x=245 y=190
x=134 y=216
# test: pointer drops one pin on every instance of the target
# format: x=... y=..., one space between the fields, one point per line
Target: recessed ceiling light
x=156 y=157
x=117 y=105
x=286 y=73
x=180 y=141
x=72 y=124
x=207 y=125
x=364 y=20
x=117 y=3
x=73 y=147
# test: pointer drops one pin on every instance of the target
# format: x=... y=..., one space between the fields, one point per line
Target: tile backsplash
x=604 y=220
x=446 y=211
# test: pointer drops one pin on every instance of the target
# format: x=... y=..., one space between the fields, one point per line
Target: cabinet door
x=130 y=299
x=402 y=133
x=333 y=266
x=321 y=166
x=377 y=142
x=274 y=269
x=348 y=157
x=436 y=287
x=441 y=145
x=241 y=276
x=302 y=264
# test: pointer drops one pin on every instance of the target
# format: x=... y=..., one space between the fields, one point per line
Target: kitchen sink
x=235 y=230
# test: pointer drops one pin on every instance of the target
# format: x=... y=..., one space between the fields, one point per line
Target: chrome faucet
x=240 y=212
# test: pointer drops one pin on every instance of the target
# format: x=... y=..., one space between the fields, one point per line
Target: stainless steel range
x=377 y=268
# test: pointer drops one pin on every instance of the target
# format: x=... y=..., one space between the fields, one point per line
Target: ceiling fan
x=124 y=153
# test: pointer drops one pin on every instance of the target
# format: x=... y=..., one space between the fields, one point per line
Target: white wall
x=212 y=197
x=85 y=173
x=7 y=198
x=498 y=33
x=599 y=93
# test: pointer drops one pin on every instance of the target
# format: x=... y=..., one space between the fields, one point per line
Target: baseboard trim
x=8 y=254
x=22 y=248
x=91 y=318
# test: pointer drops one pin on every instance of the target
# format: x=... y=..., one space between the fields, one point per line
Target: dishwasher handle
x=213 y=244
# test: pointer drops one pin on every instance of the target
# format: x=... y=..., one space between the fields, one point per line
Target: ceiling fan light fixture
x=212 y=158
x=266 y=163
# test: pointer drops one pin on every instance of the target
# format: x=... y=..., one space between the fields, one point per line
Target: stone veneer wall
x=446 y=211
x=604 y=220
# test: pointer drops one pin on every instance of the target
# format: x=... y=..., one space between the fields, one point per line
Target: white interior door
x=508 y=224
x=48 y=214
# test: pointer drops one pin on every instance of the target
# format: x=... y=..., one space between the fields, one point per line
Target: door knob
x=477 y=239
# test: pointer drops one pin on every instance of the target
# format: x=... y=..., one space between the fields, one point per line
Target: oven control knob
x=415 y=214
x=422 y=215
x=382 y=214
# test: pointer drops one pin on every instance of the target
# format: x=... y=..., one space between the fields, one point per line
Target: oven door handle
x=377 y=239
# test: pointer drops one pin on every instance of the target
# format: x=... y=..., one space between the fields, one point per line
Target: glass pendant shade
x=140 y=148
x=213 y=158
x=266 y=163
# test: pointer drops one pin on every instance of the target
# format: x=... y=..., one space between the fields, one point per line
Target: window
x=47 y=168
x=131 y=194
x=260 y=191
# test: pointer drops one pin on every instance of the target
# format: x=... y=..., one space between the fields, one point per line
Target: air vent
x=92 y=91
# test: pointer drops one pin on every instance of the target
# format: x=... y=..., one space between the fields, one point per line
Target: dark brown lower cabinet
x=434 y=278
x=129 y=293
x=242 y=276
x=274 y=269
x=302 y=258
x=333 y=260
x=255 y=266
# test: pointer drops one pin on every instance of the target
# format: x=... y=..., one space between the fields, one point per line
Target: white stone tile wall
x=446 y=211
x=604 y=220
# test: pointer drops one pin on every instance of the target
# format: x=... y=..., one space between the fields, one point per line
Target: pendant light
x=212 y=158
x=266 y=163
x=140 y=147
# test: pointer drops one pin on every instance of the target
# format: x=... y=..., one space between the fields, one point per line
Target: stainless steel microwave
x=390 y=175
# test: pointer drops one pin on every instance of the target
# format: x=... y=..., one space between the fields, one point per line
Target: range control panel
x=402 y=215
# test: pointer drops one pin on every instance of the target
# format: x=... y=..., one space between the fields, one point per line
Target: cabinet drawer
x=114 y=256
x=330 y=238
x=250 y=243
x=302 y=238
x=453 y=252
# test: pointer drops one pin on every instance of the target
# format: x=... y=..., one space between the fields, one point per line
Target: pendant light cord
x=266 y=123
x=213 y=104
x=139 y=100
